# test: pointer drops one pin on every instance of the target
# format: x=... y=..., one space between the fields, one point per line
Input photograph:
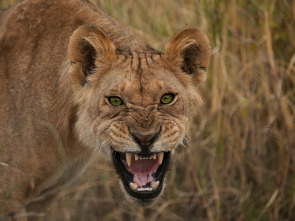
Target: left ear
x=87 y=44
x=189 y=49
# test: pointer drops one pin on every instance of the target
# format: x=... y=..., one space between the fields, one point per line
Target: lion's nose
x=145 y=141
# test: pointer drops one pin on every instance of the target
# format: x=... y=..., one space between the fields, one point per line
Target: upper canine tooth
x=160 y=157
x=133 y=186
x=128 y=158
x=136 y=156
x=155 y=184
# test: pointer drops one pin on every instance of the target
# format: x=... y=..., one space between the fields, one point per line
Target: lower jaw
x=138 y=202
x=144 y=195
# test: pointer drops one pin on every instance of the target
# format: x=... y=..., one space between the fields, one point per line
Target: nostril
x=145 y=141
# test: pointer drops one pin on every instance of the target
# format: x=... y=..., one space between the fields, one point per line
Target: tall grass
x=241 y=163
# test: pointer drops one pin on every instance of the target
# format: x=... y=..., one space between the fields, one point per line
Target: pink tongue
x=143 y=167
x=142 y=180
x=142 y=170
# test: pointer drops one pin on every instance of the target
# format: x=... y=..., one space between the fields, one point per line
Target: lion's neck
x=121 y=35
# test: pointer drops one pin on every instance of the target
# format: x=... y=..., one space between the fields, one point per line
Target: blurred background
x=241 y=161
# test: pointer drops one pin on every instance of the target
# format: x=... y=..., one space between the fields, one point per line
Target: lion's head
x=136 y=105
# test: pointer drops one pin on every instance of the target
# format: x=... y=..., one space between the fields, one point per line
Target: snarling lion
x=75 y=83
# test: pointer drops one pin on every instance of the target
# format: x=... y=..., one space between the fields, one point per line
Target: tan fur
x=59 y=60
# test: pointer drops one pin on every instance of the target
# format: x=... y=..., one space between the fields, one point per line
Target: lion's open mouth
x=142 y=176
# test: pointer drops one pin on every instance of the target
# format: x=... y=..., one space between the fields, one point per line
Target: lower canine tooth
x=133 y=186
x=155 y=184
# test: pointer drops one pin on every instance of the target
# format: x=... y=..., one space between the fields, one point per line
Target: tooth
x=133 y=186
x=136 y=156
x=154 y=156
x=160 y=157
x=128 y=158
x=155 y=184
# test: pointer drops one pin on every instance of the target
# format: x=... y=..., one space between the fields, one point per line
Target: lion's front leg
x=19 y=215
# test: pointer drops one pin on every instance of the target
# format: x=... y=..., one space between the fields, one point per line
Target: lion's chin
x=142 y=175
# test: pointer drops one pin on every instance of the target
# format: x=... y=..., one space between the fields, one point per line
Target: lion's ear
x=88 y=44
x=190 y=50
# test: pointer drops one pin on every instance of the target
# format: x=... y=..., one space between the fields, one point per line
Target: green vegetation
x=241 y=163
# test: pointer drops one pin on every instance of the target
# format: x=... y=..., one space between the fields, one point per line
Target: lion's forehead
x=139 y=61
x=142 y=93
x=143 y=78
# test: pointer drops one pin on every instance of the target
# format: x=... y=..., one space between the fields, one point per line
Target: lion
x=76 y=84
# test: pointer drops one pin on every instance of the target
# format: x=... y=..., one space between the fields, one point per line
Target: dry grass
x=241 y=164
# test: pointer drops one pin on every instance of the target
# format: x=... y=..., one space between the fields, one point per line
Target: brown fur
x=59 y=60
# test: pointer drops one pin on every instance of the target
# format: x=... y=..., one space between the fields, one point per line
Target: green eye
x=115 y=101
x=167 y=98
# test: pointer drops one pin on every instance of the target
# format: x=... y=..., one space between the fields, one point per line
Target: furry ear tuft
x=87 y=44
x=190 y=50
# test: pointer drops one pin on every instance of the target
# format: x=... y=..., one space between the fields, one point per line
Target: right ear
x=88 y=44
x=189 y=49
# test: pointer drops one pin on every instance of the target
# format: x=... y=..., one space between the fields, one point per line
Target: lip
x=127 y=177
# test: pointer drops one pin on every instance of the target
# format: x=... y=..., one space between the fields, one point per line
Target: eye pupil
x=115 y=101
x=167 y=98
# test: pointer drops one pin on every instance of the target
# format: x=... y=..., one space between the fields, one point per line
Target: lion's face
x=136 y=106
